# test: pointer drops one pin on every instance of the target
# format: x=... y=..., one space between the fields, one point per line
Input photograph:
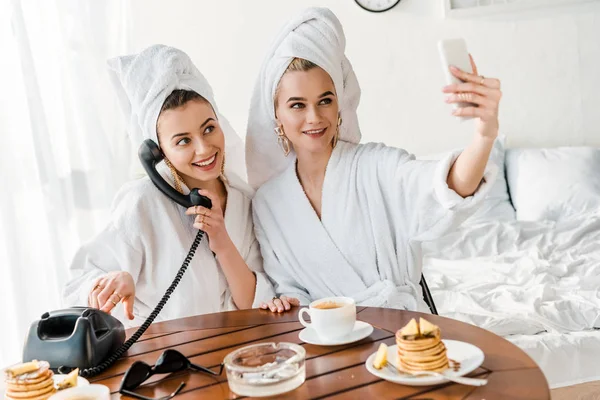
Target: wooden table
x=334 y=371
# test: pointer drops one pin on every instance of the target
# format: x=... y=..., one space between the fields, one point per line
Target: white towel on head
x=143 y=82
x=317 y=36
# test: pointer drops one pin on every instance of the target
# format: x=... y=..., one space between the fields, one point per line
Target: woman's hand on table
x=280 y=304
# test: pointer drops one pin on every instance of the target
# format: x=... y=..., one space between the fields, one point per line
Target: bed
x=527 y=265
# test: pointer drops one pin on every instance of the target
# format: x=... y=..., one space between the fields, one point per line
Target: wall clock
x=377 y=5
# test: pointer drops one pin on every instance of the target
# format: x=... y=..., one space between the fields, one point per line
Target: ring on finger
x=482 y=80
x=196 y=210
x=113 y=302
x=202 y=219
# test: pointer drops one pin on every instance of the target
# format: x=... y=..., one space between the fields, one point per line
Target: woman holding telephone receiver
x=339 y=218
x=135 y=258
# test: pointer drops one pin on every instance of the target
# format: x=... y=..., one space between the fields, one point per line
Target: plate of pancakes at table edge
x=34 y=380
x=419 y=347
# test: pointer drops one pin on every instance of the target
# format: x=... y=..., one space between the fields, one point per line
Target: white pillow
x=496 y=206
x=552 y=184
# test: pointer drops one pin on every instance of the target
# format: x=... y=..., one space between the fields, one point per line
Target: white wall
x=548 y=61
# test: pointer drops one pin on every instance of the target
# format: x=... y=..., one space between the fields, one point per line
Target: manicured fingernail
x=453 y=68
x=447 y=99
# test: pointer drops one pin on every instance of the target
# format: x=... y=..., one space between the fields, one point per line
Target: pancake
x=420 y=348
x=29 y=381
x=27 y=371
x=45 y=396
x=429 y=355
x=37 y=393
x=23 y=387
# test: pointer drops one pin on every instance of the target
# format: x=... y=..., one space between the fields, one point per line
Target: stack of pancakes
x=420 y=347
x=29 y=381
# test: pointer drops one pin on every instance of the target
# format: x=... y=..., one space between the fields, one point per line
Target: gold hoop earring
x=223 y=177
x=283 y=141
x=337 y=134
x=223 y=165
x=175 y=175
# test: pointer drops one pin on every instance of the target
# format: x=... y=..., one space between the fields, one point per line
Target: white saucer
x=361 y=330
x=470 y=358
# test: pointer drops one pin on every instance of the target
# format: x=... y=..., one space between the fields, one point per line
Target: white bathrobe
x=378 y=203
x=149 y=236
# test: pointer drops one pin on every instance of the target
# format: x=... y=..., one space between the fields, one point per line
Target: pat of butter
x=22 y=368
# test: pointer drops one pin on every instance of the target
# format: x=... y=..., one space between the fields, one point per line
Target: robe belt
x=389 y=295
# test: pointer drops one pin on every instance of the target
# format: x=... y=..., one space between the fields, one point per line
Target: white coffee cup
x=91 y=392
x=331 y=317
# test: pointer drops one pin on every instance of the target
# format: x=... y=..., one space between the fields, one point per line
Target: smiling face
x=306 y=108
x=192 y=140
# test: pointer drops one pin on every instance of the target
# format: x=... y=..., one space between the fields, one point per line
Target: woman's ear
x=279 y=129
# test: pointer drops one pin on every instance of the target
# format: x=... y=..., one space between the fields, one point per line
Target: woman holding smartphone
x=337 y=218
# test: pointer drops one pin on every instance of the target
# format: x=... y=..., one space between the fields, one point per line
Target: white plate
x=360 y=331
x=57 y=378
x=470 y=358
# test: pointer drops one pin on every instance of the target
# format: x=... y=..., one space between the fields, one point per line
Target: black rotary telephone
x=84 y=337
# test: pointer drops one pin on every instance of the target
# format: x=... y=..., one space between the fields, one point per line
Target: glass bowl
x=265 y=369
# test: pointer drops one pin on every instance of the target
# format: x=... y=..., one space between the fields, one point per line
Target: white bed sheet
x=565 y=358
x=535 y=283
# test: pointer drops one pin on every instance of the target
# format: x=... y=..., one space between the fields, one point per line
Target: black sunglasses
x=169 y=361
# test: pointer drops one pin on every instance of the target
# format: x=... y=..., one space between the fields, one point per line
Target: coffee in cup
x=328 y=305
x=331 y=317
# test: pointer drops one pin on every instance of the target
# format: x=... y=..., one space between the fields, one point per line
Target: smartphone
x=454 y=52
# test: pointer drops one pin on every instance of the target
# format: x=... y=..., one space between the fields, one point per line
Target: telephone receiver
x=150 y=155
